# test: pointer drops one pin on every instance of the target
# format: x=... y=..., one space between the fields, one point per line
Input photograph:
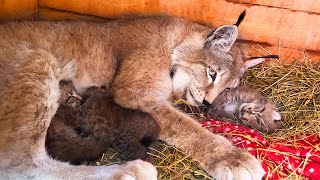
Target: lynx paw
x=237 y=165
x=139 y=170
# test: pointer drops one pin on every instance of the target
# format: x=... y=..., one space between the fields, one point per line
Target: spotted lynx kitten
x=247 y=105
x=82 y=132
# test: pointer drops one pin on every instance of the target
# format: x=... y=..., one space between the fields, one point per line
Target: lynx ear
x=250 y=63
x=222 y=38
x=257 y=60
x=253 y=62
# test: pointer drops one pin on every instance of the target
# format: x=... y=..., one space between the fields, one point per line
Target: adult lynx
x=144 y=63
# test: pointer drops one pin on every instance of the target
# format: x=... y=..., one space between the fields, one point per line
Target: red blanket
x=279 y=158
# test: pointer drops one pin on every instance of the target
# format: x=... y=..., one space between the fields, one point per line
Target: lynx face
x=206 y=64
x=261 y=115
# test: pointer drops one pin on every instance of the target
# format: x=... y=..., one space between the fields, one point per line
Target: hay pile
x=295 y=88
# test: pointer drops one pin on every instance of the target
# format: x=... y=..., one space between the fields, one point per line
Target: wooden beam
x=287 y=55
x=311 y=6
x=105 y=8
x=54 y=15
x=263 y=24
x=18 y=9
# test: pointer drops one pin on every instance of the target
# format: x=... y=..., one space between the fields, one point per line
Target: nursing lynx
x=144 y=63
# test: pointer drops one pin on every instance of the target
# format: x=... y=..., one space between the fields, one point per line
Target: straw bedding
x=295 y=88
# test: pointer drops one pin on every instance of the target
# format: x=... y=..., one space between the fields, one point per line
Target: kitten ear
x=222 y=38
x=276 y=116
x=245 y=106
x=259 y=104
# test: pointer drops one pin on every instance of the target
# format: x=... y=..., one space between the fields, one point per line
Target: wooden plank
x=18 y=9
x=54 y=15
x=108 y=8
x=287 y=55
x=311 y=6
x=264 y=25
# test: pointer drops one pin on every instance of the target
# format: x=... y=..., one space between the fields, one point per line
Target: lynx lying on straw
x=144 y=63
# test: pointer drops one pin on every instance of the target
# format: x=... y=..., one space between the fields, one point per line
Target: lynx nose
x=206 y=103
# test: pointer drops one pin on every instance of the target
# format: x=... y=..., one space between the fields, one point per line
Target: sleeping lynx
x=249 y=106
x=144 y=63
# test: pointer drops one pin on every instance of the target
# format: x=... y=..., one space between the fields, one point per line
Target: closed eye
x=256 y=113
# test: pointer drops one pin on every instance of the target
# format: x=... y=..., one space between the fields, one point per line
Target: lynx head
x=206 y=63
x=260 y=114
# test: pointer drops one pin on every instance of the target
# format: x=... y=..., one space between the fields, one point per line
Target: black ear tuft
x=268 y=56
x=241 y=17
x=272 y=56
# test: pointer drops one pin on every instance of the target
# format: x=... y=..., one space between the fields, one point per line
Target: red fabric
x=279 y=158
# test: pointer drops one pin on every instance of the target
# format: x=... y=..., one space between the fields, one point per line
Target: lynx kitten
x=247 y=105
x=82 y=132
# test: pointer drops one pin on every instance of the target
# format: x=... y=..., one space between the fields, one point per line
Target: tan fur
x=131 y=58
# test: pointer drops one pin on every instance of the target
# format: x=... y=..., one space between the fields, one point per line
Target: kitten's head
x=68 y=94
x=207 y=63
x=260 y=114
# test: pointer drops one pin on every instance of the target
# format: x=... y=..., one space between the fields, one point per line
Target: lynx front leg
x=215 y=153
